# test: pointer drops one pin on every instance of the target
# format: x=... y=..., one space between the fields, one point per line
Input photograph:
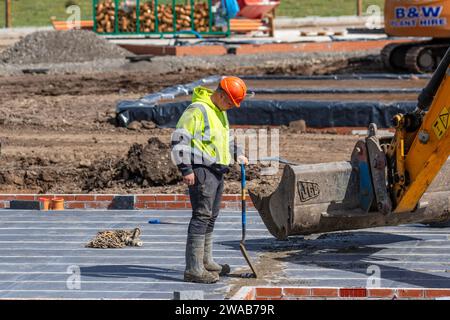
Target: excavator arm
x=421 y=152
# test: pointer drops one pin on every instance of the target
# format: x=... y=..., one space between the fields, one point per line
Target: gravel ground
x=82 y=52
x=288 y=63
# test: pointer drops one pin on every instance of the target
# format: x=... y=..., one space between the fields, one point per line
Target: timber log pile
x=185 y=20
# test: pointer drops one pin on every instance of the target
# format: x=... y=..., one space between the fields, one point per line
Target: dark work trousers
x=205 y=196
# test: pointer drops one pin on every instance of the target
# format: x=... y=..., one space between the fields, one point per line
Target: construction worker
x=202 y=149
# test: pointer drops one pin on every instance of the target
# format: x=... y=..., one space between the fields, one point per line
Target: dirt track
x=58 y=134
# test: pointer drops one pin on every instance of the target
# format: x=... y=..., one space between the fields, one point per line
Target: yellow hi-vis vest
x=207 y=128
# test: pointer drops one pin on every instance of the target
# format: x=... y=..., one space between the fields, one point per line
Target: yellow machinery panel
x=426 y=158
x=417 y=18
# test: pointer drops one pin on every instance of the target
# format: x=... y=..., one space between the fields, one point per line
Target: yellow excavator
x=388 y=180
x=428 y=19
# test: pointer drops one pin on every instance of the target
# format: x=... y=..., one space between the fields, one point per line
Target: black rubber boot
x=195 y=271
x=208 y=259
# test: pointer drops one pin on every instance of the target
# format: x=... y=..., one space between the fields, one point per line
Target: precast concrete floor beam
x=42 y=256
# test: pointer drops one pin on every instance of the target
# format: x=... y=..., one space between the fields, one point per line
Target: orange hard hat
x=235 y=89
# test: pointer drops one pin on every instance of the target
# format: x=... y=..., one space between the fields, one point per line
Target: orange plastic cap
x=235 y=89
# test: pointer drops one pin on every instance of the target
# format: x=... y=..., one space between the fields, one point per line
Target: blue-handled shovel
x=244 y=222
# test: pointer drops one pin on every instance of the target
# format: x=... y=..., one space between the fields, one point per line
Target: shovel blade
x=247 y=258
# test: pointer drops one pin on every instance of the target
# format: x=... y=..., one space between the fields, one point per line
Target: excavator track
x=388 y=57
x=424 y=58
x=420 y=57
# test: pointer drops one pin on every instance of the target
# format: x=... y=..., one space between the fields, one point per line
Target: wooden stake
x=272 y=23
x=8 y=14
x=359 y=5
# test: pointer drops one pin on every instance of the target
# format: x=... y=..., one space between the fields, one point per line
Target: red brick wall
x=335 y=46
x=301 y=293
x=142 y=201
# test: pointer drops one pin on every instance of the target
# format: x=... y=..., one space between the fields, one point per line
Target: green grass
x=324 y=8
x=39 y=12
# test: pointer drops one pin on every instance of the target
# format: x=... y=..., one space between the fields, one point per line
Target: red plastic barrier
x=256 y=9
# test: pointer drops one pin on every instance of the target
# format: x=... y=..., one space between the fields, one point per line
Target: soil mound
x=61 y=46
x=148 y=165
x=144 y=166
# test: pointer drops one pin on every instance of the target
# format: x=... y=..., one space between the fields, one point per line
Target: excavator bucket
x=320 y=198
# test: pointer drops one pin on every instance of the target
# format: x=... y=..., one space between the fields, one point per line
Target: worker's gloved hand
x=189 y=179
x=242 y=160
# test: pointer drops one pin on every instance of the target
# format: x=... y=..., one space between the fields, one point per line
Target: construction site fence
x=195 y=18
